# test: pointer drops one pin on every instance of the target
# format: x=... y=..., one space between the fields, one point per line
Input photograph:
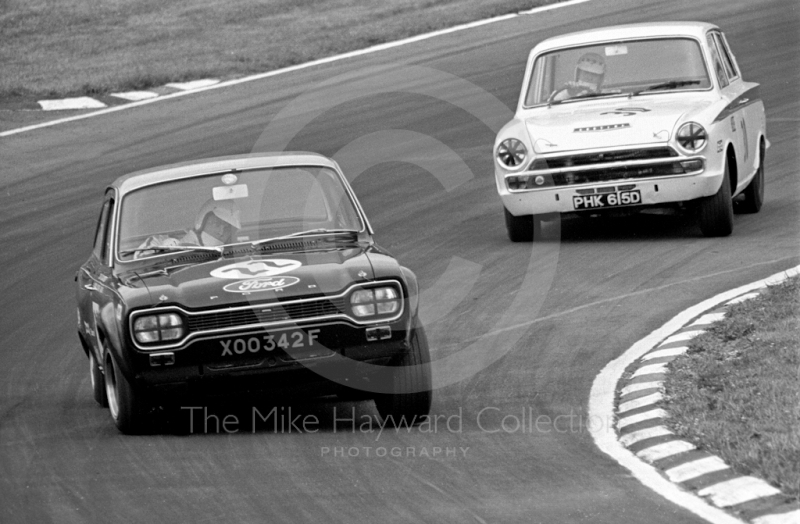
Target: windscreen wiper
x=212 y=249
x=318 y=231
x=666 y=85
x=581 y=97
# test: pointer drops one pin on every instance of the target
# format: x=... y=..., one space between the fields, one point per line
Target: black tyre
x=716 y=211
x=98 y=381
x=754 y=194
x=523 y=228
x=128 y=409
x=410 y=401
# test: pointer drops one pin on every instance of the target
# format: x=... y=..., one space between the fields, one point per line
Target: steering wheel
x=564 y=87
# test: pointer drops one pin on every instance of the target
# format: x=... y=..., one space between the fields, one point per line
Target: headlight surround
x=511 y=153
x=370 y=302
x=692 y=136
x=148 y=329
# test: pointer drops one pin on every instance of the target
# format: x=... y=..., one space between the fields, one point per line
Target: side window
x=727 y=56
x=102 y=237
x=716 y=61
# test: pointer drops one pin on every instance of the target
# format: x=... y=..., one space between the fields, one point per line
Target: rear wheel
x=716 y=211
x=523 y=228
x=410 y=400
x=128 y=410
x=98 y=381
x=754 y=194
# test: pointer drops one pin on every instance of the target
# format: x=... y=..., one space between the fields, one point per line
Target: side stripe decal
x=751 y=96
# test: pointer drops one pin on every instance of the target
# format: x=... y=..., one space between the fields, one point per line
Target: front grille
x=607 y=166
x=617 y=173
x=589 y=159
x=265 y=313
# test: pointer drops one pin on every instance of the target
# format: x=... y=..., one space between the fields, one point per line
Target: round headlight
x=692 y=136
x=511 y=153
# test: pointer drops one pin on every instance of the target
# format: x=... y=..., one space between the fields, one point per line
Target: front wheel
x=128 y=409
x=716 y=211
x=98 y=381
x=410 y=401
x=525 y=228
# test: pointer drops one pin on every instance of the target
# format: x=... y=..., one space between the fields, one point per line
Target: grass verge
x=92 y=47
x=736 y=392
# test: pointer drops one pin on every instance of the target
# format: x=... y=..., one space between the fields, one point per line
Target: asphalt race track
x=518 y=331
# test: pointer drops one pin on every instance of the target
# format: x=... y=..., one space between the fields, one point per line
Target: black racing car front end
x=303 y=347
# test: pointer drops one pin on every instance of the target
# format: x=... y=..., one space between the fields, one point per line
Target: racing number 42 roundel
x=256 y=269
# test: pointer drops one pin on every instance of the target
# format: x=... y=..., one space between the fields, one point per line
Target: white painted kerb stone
x=667 y=449
x=710 y=318
x=650 y=369
x=639 y=402
x=686 y=335
x=695 y=468
x=641 y=386
x=644 y=434
x=737 y=491
x=135 y=96
x=81 y=102
x=792 y=517
x=641 y=417
x=669 y=352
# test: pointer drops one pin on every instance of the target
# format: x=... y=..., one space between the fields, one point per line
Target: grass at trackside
x=90 y=47
x=737 y=391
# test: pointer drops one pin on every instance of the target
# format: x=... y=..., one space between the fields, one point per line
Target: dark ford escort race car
x=253 y=273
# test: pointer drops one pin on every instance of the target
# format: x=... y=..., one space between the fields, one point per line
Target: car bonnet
x=608 y=122
x=258 y=278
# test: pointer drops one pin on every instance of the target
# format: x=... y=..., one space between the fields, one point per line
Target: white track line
x=313 y=63
x=601 y=404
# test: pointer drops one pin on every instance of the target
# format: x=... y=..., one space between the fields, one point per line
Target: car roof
x=617 y=32
x=146 y=177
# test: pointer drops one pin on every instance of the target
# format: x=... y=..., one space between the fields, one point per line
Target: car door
x=94 y=278
x=751 y=108
x=740 y=108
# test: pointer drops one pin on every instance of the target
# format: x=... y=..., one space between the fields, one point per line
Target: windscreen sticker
x=255 y=285
x=256 y=269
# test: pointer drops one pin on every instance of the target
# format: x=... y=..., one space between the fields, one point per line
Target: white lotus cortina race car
x=629 y=117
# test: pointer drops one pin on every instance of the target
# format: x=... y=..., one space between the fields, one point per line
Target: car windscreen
x=623 y=67
x=246 y=206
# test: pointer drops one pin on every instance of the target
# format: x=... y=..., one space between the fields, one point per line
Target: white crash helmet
x=225 y=210
x=591 y=63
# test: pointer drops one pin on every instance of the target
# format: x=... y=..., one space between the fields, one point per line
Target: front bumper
x=344 y=356
x=654 y=192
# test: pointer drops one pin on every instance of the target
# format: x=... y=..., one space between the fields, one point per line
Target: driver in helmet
x=215 y=225
x=589 y=73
